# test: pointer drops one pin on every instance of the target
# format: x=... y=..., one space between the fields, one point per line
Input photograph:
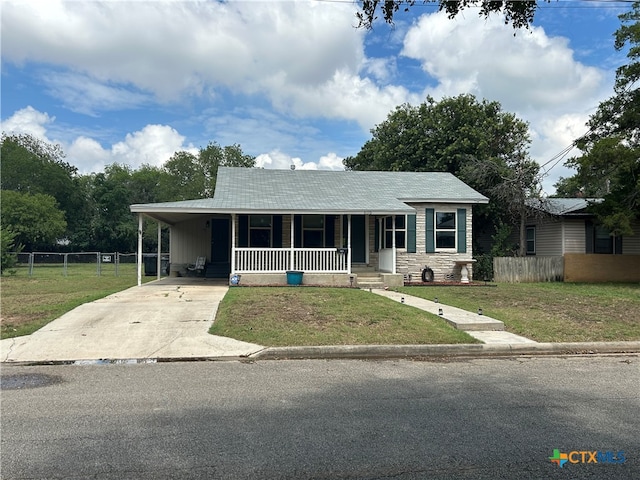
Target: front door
x=220 y=266
x=358 y=239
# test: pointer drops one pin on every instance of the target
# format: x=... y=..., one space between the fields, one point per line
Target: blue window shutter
x=462 y=230
x=411 y=234
x=430 y=230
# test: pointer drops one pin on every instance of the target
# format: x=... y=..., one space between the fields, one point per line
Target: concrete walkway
x=169 y=320
x=161 y=319
x=481 y=327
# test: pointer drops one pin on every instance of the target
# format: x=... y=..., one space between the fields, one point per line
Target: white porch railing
x=278 y=260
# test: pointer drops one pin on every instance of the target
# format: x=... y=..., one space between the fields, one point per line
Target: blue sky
x=133 y=81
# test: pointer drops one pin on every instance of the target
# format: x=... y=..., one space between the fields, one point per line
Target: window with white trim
x=445 y=228
x=401 y=231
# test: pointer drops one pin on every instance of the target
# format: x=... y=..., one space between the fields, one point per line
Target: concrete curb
x=463 y=350
x=376 y=352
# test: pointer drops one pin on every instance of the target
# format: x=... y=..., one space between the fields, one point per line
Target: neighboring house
x=567 y=226
x=334 y=226
x=565 y=241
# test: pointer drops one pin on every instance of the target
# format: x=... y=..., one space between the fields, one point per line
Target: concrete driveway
x=168 y=318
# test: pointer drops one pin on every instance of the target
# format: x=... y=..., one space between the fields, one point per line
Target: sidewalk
x=486 y=329
x=496 y=341
x=165 y=321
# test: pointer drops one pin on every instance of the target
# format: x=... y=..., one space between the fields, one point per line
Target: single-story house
x=567 y=226
x=336 y=227
x=586 y=251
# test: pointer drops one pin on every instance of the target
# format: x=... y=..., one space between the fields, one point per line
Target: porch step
x=370 y=280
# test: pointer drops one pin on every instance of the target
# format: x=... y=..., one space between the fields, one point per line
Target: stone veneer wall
x=442 y=263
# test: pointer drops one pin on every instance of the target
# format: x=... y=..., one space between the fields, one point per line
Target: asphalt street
x=400 y=419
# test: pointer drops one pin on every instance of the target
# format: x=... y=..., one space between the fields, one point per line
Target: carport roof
x=252 y=190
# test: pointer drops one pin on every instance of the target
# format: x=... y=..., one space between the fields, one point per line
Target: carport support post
x=159 y=248
x=292 y=253
x=233 y=243
x=139 y=249
x=349 y=244
x=393 y=243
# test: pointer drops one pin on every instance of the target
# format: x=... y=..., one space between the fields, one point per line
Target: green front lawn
x=550 y=312
x=287 y=316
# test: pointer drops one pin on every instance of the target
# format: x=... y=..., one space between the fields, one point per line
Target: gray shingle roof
x=287 y=191
x=562 y=206
x=328 y=191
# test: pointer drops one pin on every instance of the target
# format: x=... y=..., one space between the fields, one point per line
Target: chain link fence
x=100 y=263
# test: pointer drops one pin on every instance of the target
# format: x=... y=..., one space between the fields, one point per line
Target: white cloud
x=531 y=74
x=83 y=94
x=28 y=120
x=330 y=161
x=279 y=160
x=526 y=71
x=287 y=51
x=153 y=145
x=89 y=155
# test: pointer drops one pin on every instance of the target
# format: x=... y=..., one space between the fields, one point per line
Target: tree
x=30 y=165
x=112 y=226
x=35 y=219
x=8 y=249
x=194 y=176
x=476 y=141
x=609 y=166
x=511 y=185
x=519 y=13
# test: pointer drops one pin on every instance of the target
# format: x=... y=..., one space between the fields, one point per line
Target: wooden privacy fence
x=528 y=269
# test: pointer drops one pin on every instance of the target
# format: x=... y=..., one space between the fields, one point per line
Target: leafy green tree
x=519 y=13
x=112 y=225
x=35 y=219
x=30 y=165
x=442 y=137
x=8 y=249
x=609 y=166
x=194 y=176
x=476 y=141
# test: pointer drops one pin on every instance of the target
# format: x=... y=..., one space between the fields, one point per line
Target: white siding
x=548 y=236
x=190 y=240
x=574 y=236
x=631 y=243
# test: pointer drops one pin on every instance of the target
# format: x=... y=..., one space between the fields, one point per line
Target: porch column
x=233 y=243
x=393 y=243
x=349 y=244
x=159 y=249
x=291 y=254
x=139 y=249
